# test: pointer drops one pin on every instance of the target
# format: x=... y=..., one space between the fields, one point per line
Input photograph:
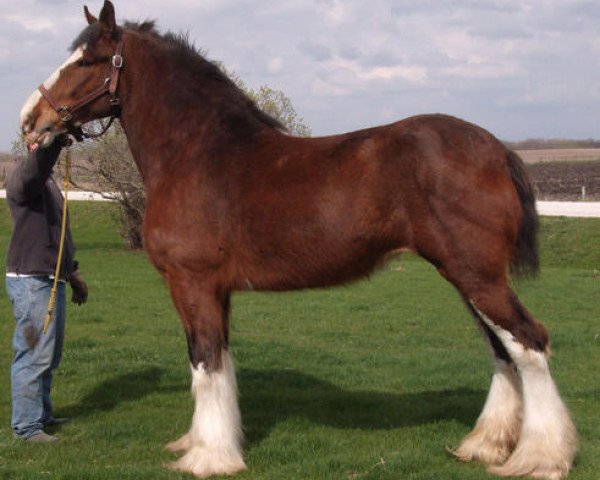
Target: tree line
x=552 y=143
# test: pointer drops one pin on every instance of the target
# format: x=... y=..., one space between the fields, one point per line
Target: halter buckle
x=64 y=114
x=117 y=61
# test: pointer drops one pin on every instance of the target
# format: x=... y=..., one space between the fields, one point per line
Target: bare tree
x=278 y=105
x=117 y=178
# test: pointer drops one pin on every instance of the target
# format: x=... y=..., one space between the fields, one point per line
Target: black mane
x=191 y=59
x=88 y=36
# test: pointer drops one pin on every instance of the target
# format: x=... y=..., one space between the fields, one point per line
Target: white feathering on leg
x=548 y=441
x=213 y=444
x=497 y=429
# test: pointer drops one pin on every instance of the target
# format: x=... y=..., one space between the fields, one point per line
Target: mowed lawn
x=368 y=381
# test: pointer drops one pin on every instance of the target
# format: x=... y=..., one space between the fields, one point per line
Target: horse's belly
x=315 y=266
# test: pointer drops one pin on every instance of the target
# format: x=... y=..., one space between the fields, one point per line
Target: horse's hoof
x=472 y=450
x=491 y=446
x=204 y=462
x=546 y=472
x=536 y=462
x=182 y=444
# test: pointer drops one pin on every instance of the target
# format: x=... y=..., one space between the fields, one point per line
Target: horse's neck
x=147 y=132
x=158 y=132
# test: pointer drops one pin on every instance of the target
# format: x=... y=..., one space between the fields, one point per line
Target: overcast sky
x=519 y=68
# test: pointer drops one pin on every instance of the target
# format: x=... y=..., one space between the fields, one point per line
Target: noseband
x=110 y=85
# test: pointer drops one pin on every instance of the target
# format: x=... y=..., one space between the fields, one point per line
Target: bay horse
x=235 y=203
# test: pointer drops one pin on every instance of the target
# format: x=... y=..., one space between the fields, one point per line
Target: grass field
x=369 y=381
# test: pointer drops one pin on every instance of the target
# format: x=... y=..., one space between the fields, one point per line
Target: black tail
x=526 y=260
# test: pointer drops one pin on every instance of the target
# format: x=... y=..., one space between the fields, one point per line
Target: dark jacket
x=36 y=203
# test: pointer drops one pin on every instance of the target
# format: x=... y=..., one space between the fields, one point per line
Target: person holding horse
x=36 y=207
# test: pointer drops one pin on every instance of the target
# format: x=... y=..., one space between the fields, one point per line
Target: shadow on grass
x=126 y=387
x=271 y=396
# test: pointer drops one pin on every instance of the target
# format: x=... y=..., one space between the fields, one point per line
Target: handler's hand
x=64 y=140
x=80 y=289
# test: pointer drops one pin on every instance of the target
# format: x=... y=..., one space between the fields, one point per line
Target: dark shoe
x=42 y=437
x=55 y=422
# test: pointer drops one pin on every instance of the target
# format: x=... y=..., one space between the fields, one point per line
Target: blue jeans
x=36 y=353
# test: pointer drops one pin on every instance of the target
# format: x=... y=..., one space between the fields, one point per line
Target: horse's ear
x=107 y=17
x=88 y=16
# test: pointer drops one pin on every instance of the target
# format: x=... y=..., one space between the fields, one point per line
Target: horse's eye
x=84 y=63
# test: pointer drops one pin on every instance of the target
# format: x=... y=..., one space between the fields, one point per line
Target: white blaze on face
x=35 y=97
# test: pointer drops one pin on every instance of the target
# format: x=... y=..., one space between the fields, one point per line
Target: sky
x=519 y=68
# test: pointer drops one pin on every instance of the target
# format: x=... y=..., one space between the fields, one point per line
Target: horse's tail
x=526 y=259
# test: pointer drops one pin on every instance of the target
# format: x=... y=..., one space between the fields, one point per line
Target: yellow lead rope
x=63 y=229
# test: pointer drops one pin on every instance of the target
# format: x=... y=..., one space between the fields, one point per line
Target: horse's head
x=83 y=88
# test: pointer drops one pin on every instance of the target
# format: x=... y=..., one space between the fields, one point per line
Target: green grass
x=369 y=381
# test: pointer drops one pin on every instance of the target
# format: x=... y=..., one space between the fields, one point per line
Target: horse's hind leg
x=497 y=429
x=547 y=441
x=213 y=444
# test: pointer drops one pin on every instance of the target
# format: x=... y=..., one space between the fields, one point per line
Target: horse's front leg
x=213 y=444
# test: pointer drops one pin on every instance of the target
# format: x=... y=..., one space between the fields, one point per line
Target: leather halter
x=110 y=85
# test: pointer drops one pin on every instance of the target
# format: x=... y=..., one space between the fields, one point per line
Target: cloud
x=315 y=51
x=335 y=12
x=34 y=24
x=275 y=64
x=349 y=52
x=410 y=73
x=522 y=69
x=341 y=76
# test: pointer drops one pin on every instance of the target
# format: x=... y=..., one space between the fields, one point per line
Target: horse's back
x=326 y=210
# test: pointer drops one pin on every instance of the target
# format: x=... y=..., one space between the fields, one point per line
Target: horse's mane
x=185 y=53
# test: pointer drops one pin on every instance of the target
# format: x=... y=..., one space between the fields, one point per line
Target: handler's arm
x=30 y=175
